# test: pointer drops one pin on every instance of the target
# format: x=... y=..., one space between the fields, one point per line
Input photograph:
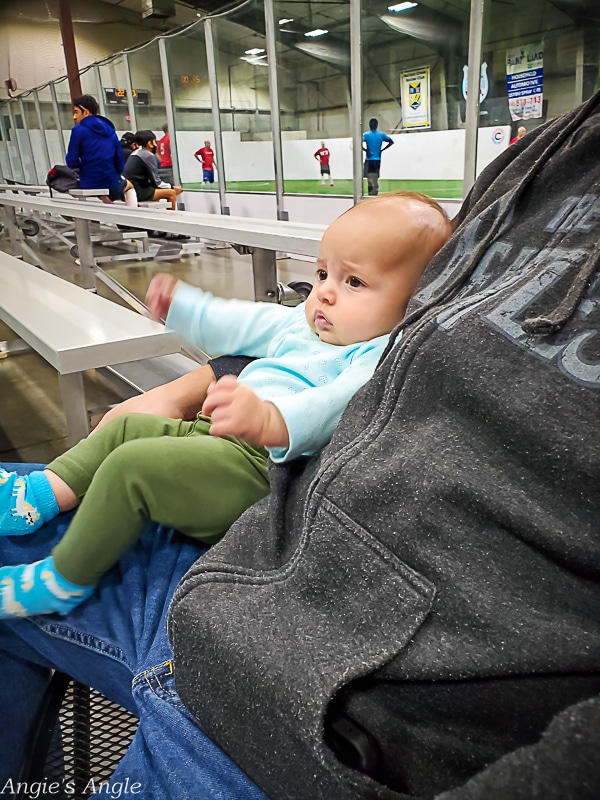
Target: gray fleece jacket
x=416 y=613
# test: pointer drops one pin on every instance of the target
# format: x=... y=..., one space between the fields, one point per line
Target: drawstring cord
x=555 y=320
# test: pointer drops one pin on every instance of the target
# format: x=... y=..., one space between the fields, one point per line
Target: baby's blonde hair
x=434 y=235
x=419 y=197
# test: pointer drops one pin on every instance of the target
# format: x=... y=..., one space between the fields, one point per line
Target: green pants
x=139 y=468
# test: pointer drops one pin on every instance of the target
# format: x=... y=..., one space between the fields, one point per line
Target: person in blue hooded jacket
x=95 y=150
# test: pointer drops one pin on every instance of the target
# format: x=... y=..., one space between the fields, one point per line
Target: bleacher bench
x=75 y=330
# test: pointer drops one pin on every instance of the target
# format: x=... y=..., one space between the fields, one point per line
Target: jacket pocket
x=367 y=603
x=340 y=608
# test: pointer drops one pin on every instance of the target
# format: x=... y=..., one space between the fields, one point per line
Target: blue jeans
x=117 y=643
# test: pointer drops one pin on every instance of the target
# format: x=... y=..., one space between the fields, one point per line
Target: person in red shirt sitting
x=206 y=156
x=163 y=151
x=322 y=155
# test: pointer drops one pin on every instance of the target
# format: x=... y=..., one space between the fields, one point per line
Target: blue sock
x=26 y=502
x=30 y=589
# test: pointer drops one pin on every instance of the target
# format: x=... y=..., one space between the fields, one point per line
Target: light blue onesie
x=309 y=381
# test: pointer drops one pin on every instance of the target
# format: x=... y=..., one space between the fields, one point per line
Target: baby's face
x=369 y=264
x=353 y=302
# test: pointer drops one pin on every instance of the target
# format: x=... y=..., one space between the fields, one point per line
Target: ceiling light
x=285 y=21
x=255 y=60
x=254 y=51
x=316 y=32
x=401 y=7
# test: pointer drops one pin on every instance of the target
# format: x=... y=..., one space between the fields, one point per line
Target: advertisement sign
x=414 y=94
x=525 y=78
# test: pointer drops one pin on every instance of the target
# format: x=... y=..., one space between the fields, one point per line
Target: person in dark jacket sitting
x=142 y=170
x=95 y=151
x=128 y=144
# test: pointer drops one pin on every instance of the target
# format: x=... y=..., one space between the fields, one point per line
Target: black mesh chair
x=78 y=738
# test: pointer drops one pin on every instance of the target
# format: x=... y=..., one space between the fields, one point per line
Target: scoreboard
x=118 y=97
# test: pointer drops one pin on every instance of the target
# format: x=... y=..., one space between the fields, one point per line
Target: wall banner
x=525 y=78
x=414 y=94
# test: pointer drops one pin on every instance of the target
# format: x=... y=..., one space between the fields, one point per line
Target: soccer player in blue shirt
x=374 y=143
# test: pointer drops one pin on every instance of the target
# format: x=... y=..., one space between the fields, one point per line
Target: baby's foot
x=30 y=589
x=26 y=502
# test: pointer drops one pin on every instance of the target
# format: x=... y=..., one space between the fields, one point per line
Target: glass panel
x=245 y=109
x=545 y=57
x=32 y=152
x=114 y=86
x=56 y=147
x=414 y=56
x=313 y=65
x=148 y=91
x=65 y=110
x=89 y=84
x=7 y=146
x=11 y=119
x=190 y=93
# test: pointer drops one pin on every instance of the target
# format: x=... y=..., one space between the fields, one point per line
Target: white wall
x=431 y=155
x=422 y=155
x=419 y=155
x=244 y=161
x=248 y=161
x=257 y=206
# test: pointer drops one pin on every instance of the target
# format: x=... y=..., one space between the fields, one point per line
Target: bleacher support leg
x=264 y=270
x=15 y=234
x=86 y=253
x=73 y=400
x=19 y=246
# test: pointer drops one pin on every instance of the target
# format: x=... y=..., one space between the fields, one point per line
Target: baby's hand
x=160 y=295
x=236 y=411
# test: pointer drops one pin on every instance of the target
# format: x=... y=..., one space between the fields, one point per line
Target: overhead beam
x=68 y=40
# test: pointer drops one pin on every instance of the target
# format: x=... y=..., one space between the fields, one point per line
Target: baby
x=199 y=476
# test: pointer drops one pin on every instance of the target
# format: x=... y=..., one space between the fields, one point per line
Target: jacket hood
x=98 y=125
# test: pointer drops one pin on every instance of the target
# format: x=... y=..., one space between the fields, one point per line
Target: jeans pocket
x=159 y=681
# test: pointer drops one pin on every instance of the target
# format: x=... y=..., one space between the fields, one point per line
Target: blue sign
x=525 y=81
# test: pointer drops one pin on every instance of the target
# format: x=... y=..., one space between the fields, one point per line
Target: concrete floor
x=32 y=424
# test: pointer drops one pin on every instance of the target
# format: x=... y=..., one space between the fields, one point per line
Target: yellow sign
x=414 y=93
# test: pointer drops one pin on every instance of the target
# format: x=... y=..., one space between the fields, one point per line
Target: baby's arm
x=160 y=295
x=311 y=416
x=217 y=325
x=235 y=410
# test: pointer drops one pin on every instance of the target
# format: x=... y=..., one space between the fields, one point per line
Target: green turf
x=446 y=190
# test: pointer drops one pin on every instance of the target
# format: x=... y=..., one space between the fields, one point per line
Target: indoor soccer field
x=443 y=190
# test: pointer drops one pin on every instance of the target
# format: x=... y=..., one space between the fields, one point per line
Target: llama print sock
x=26 y=502
x=30 y=589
